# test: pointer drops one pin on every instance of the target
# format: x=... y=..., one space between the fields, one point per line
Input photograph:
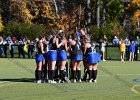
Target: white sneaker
x=95 y=80
x=49 y=81
x=79 y=81
x=60 y=81
x=53 y=82
x=38 y=81
x=104 y=60
x=90 y=81
x=67 y=79
x=74 y=81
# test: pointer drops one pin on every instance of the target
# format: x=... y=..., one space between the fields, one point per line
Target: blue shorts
x=46 y=56
x=76 y=57
x=93 y=58
x=98 y=57
x=39 y=58
x=52 y=55
x=61 y=55
x=132 y=48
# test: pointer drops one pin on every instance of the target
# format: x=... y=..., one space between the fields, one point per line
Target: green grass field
x=116 y=81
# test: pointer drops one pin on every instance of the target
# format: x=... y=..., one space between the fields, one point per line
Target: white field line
x=4 y=81
x=127 y=74
x=7 y=84
x=119 y=75
x=100 y=75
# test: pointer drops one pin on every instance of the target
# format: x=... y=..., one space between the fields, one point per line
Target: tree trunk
x=88 y=12
x=98 y=13
x=79 y=19
x=138 y=21
x=5 y=7
x=56 y=9
x=104 y=12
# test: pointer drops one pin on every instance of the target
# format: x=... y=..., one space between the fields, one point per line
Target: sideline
x=134 y=90
x=4 y=82
x=7 y=84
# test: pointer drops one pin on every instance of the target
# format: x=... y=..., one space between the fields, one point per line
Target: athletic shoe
x=74 y=81
x=53 y=82
x=90 y=81
x=79 y=81
x=95 y=80
x=60 y=81
x=38 y=81
x=104 y=60
x=49 y=81
x=67 y=79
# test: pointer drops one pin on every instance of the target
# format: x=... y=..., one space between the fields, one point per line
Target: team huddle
x=52 y=56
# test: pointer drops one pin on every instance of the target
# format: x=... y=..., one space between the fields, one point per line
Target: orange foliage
x=66 y=20
x=27 y=10
x=20 y=10
x=137 y=12
x=135 y=1
x=1 y=25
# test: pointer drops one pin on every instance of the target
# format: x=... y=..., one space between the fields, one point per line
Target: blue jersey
x=132 y=48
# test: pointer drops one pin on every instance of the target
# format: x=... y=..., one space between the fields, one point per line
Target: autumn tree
x=134 y=10
x=20 y=12
x=1 y=25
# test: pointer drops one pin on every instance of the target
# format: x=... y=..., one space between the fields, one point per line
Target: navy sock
x=85 y=75
x=74 y=74
x=52 y=74
x=62 y=74
x=90 y=74
x=36 y=74
x=39 y=74
x=49 y=74
x=71 y=74
x=45 y=73
x=94 y=74
x=79 y=74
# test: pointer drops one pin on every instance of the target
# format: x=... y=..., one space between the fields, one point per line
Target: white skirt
x=103 y=49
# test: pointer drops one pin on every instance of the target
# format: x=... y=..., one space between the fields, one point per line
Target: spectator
x=25 y=49
x=137 y=42
x=127 y=43
x=20 y=49
x=5 y=48
x=31 y=49
x=8 y=38
x=115 y=41
x=14 y=39
x=103 y=44
x=1 y=47
x=131 y=50
x=122 y=50
x=10 y=42
x=126 y=40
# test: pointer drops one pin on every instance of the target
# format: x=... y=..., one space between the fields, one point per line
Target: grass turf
x=116 y=81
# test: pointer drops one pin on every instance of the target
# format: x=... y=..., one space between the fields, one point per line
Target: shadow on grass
x=18 y=80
